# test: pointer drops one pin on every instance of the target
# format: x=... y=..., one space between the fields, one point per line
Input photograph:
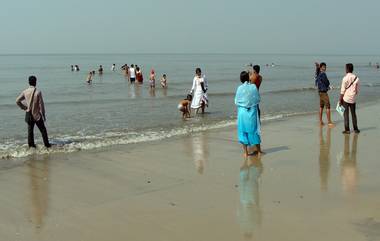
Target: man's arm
x=19 y=100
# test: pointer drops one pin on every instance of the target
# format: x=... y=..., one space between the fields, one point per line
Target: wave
x=73 y=143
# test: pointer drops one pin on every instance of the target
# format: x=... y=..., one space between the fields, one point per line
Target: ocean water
x=112 y=111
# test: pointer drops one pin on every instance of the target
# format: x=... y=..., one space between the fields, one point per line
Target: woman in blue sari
x=247 y=99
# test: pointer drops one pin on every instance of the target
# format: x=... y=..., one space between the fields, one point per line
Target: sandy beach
x=313 y=184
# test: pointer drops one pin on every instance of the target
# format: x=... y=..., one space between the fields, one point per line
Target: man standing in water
x=323 y=85
x=35 y=111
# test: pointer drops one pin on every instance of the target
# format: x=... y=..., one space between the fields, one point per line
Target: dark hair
x=198 y=70
x=132 y=66
x=322 y=64
x=32 y=80
x=244 y=76
x=256 y=68
x=189 y=97
x=349 y=67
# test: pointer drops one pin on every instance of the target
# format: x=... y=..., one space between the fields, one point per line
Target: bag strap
x=31 y=101
x=352 y=82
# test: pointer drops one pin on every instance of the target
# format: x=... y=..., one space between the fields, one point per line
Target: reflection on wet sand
x=349 y=172
x=199 y=151
x=38 y=169
x=152 y=92
x=324 y=157
x=249 y=211
x=134 y=91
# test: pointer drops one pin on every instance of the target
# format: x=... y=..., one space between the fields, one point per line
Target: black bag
x=28 y=115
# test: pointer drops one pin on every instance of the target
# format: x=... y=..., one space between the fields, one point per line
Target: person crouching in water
x=184 y=106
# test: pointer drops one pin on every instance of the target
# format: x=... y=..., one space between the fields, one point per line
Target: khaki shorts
x=324 y=100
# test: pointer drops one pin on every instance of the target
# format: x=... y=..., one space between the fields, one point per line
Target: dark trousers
x=40 y=124
x=347 y=108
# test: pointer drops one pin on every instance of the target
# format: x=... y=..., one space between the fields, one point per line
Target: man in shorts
x=323 y=85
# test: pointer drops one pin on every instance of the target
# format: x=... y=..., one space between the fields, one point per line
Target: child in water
x=89 y=78
x=164 y=81
x=184 y=106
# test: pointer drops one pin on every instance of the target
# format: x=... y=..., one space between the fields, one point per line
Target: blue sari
x=247 y=99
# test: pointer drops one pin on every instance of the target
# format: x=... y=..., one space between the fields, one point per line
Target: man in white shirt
x=132 y=74
x=348 y=93
x=34 y=104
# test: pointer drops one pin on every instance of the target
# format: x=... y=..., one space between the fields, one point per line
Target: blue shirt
x=322 y=82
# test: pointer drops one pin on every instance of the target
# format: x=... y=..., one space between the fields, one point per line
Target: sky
x=191 y=26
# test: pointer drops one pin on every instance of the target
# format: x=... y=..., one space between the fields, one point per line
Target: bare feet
x=331 y=124
x=321 y=123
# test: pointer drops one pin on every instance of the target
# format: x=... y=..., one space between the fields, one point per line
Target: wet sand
x=313 y=184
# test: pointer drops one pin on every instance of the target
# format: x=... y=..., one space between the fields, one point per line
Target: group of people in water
x=133 y=73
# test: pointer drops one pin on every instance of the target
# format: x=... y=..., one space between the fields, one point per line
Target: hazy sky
x=191 y=26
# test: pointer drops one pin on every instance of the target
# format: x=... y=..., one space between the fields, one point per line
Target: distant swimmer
x=89 y=77
x=113 y=67
x=164 y=81
x=76 y=67
x=132 y=73
x=152 y=79
x=72 y=67
x=139 y=75
x=377 y=66
x=100 y=70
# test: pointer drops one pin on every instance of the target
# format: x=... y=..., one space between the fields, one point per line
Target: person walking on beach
x=323 y=85
x=113 y=67
x=247 y=99
x=31 y=101
x=198 y=90
x=348 y=93
x=132 y=74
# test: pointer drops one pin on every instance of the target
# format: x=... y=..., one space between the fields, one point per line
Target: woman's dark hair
x=32 y=80
x=322 y=64
x=256 y=68
x=244 y=76
x=198 y=70
x=349 y=67
x=138 y=68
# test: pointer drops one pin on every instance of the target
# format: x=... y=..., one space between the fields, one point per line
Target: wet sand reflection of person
x=249 y=211
x=349 y=171
x=38 y=170
x=324 y=157
x=199 y=151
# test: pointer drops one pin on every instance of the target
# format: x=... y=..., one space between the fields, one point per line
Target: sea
x=111 y=111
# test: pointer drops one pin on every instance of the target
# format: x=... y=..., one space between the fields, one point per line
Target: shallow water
x=112 y=111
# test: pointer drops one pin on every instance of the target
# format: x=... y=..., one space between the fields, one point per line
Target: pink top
x=351 y=92
x=24 y=99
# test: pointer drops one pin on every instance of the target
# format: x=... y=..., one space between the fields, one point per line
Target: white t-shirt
x=132 y=72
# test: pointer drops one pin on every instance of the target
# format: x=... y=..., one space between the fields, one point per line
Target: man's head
x=244 y=76
x=32 y=80
x=349 y=68
x=132 y=65
x=256 y=68
x=322 y=67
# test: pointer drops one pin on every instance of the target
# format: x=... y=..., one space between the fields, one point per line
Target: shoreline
x=199 y=187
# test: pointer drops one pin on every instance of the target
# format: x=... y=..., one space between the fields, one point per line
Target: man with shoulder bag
x=31 y=101
x=348 y=93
